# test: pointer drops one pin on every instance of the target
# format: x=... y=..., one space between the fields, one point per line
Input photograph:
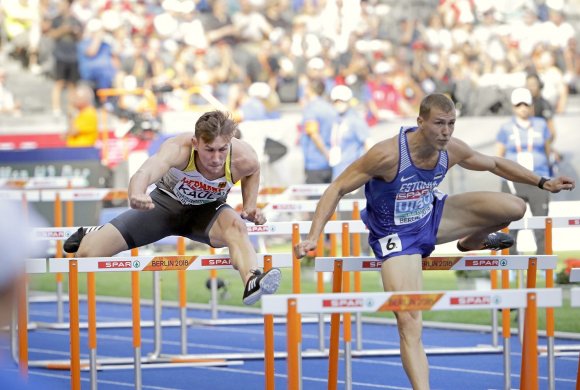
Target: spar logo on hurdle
x=261 y=228
x=372 y=264
x=51 y=234
x=222 y=261
x=116 y=264
x=474 y=300
x=343 y=302
x=486 y=263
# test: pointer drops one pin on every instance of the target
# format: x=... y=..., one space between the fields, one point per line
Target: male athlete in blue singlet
x=193 y=174
x=407 y=215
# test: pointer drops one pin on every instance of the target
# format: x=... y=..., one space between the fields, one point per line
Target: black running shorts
x=168 y=218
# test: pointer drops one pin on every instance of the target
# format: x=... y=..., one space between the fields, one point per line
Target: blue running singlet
x=403 y=215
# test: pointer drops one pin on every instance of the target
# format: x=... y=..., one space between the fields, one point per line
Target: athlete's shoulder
x=383 y=154
x=244 y=158
x=458 y=150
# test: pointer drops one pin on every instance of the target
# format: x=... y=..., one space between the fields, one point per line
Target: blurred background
x=135 y=72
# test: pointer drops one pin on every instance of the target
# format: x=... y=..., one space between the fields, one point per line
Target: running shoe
x=493 y=242
x=72 y=244
x=498 y=241
x=261 y=283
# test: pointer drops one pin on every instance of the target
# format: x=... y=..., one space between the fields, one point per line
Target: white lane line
x=454 y=369
x=304 y=378
x=107 y=382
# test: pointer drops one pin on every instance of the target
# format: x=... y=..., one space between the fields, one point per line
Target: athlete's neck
x=423 y=154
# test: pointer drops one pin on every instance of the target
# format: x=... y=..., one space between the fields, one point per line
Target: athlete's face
x=212 y=156
x=438 y=127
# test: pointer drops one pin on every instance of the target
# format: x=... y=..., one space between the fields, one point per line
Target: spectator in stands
x=83 y=129
x=540 y=106
x=260 y=104
x=22 y=26
x=8 y=105
x=350 y=133
x=66 y=31
x=95 y=56
x=383 y=101
x=526 y=140
x=318 y=118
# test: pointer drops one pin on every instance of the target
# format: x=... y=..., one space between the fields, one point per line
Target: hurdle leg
x=292 y=321
x=156 y=316
x=320 y=289
x=136 y=328
x=269 y=366
x=529 y=369
x=181 y=277
x=506 y=333
x=334 y=330
x=550 y=322
x=23 y=328
x=213 y=289
x=494 y=328
x=75 y=345
x=92 y=314
x=296 y=289
x=59 y=253
x=346 y=317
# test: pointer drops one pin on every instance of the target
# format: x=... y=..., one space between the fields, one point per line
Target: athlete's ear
x=194 y=142
x=419 y=121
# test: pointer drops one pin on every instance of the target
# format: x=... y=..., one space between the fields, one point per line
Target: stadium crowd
x=391 y=54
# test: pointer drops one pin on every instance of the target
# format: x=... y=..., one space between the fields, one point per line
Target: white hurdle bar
x=575 y=275
x=404 y=301
x=466 y=263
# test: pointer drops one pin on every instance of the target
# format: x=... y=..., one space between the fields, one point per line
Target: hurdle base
x=111 y=324
x=250 y=321
x=431 y=351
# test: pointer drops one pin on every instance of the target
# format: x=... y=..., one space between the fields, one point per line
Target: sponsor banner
x=255 y=229
x=485 y=263
x=225 y=262
x=170 y=263
x=407 y=302
x=440 y=263
x=476 y=300
x=118 y=264
x=343 y=302
x=371 y=264
x=574 y=222
x=53 y=234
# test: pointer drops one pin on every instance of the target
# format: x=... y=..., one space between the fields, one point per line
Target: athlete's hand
x=560 y=183
x=303 y=247
x=254 y=215
x=141 y=202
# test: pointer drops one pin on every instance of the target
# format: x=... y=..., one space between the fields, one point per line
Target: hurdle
x=133 y=264
x=292 y=305
x=575 y=302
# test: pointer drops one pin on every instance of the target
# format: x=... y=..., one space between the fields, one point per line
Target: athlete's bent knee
x=517 y=208
x=410 y=325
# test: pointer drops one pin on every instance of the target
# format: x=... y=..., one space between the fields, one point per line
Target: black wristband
x=543 y=180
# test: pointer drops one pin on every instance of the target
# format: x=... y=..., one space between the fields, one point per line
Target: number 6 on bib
x=390 y=244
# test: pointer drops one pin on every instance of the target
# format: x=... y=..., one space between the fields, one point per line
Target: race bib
x=526 y=160
x=334 y=156
x=390 y=244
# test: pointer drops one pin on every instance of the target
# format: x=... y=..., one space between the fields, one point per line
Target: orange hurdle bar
x=269 y=339
x=334 y=329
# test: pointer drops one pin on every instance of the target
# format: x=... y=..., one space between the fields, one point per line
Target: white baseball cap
x=521 y=95
x=383 y=67
x=259 y=90
x=341 y=92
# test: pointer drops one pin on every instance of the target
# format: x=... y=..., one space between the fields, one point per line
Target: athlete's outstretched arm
x=174 y=152
x=250 y=171
x=373 y=163
x=468 y=158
